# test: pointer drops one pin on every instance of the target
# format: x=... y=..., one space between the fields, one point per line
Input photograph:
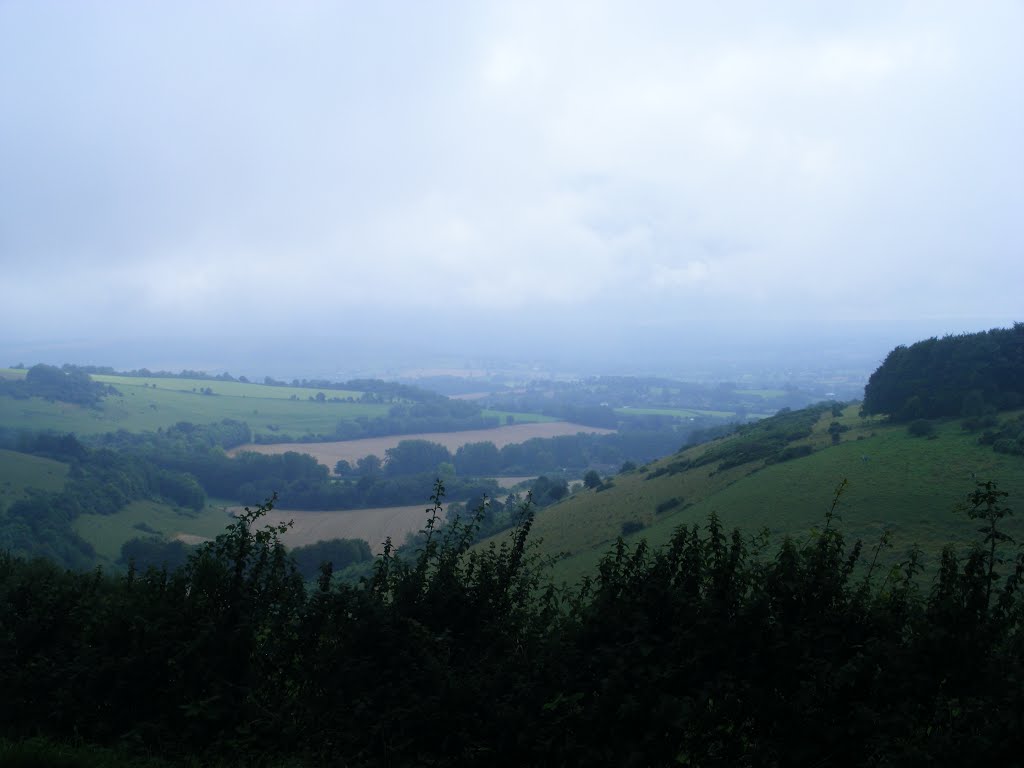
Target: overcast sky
x=469 y=173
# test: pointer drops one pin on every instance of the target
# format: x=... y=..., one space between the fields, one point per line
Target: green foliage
x=766 y=439
x=789 y=453
x=952 y=376
x=415 y=456
x=715 y=649
x=567 y=452
x=67 y=385
x=921 y=428
x=338 y=554
x=668 y=504
x=479 y=459
x=1008 y=438
x=143 y=553
x=547 y=490
x=836 y=429
x=632 y=526
x=45 y=753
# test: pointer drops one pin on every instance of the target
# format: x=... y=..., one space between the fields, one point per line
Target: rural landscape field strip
x=371 y=525
x=151 y=404
x=353 y=450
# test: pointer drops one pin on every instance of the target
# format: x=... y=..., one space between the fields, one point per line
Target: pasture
x=353 y=450
x=517 y=417
x=223 y=388
x=20 y=471
x=107 y=533
x=896 y=482
x=150 y=404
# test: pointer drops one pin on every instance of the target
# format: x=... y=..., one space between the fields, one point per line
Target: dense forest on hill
x=966 y=375
x=708 y=652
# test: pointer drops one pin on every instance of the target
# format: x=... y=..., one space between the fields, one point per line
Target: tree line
x=564 y=453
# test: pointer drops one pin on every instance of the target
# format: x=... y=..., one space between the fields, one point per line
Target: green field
x=155 y=402
x=141 y=406
x=225 y=388
x=896 y=482
x=682 y=413
x=767 y=394
x=19 y=471
x=517 y=417
x=107 y=533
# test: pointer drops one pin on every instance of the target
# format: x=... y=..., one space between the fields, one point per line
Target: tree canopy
x=952 y=376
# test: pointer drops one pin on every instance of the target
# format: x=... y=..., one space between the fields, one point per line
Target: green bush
x=921 y=428
x=668 y=504
x=712 y=650
x=632 y=526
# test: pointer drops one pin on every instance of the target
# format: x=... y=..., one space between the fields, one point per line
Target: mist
x=602 y=186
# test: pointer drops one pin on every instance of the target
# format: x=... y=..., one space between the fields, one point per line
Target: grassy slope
x=908 y=485
x=141 y=407
x=19 y=471
x=108 y=532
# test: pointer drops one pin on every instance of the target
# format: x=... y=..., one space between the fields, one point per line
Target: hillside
x=906 y=485
x=20 y=472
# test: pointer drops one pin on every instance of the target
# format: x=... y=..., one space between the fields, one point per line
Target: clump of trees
x=949 y=377
x=770 y=440
x=713 y=650
x=68 y=385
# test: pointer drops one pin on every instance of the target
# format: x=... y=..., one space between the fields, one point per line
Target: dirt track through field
x=373 y=525
x=353 y=450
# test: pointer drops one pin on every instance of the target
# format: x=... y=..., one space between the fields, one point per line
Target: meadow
x=147 y=404
x=151 y=403
x=107 y=533
x=906 y=485
x=19 y=472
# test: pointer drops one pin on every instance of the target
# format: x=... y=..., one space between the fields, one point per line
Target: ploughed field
x=353 y=450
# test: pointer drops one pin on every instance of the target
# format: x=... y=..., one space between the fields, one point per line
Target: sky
x=597 y=178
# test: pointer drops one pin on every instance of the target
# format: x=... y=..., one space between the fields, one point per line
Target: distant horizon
x=341 y=359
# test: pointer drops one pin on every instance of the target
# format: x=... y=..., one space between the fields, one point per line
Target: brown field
x=372 y=525
x=353 y=450
x=508 y=482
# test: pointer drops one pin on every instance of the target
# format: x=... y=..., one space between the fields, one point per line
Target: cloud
x=646 y=164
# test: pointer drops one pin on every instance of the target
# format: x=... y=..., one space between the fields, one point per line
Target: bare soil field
x=372 y=525
x=508 y=482
x=353 y=450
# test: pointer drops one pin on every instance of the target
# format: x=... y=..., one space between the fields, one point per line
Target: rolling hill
x=782 y=476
